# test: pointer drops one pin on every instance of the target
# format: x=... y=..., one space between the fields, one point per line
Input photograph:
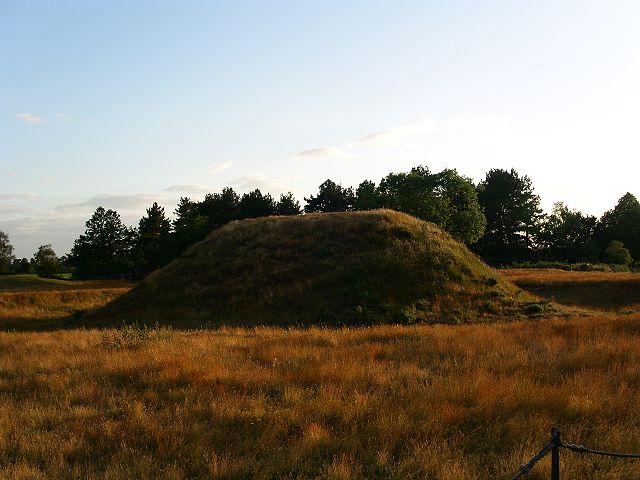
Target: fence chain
x=556 y=442
x=582 y=449
x=526 y=468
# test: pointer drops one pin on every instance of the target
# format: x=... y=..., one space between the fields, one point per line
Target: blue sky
x=121 y=103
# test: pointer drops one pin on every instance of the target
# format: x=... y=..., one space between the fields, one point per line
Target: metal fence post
x=555 y=454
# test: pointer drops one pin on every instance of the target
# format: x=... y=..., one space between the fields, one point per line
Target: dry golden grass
x=41 y=310
x=445 y=402
x=34 y=283
x=609 y=291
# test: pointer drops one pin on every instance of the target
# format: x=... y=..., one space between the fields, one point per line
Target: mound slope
x=331 y=269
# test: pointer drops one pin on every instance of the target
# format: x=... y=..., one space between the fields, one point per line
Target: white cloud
x=325 y=152
x=219 y=167
x=29 y=118
x=63 y=116
x=266 y=184
x=128 y=201
x=189 y=188
x=21 y=196
x=392 y=136
x=28 y=232
x=428 y=138
x=13 y=209
x=10 y=173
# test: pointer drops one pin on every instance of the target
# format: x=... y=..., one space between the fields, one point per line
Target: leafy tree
x=367 y=196
x=152 y=248
x=65 y=264
x=513 y=216
x=567 y=235
x=189 y=225
x=219 y=208
x=288 y=205
x=463 y=216
x=21 y=265
x=331 y=197
x=446 y=199
x=45 y=261
x=6 y=253
x=622 y=223
x=254 y=204
x=104 y=249
x=617 y=254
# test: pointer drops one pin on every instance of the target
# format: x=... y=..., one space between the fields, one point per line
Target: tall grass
x=446 y=402
x=46 y=309
x=595 y=290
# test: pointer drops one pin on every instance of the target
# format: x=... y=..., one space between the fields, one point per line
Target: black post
x=555 y=454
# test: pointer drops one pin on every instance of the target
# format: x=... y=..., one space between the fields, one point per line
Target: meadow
x=441 y=401
x=28 y=302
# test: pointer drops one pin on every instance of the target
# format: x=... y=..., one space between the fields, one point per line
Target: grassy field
x=443 y=402
x=28 y=302
x=603 y=291
x=34 y=283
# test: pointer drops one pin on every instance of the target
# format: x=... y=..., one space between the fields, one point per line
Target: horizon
x=123 y=105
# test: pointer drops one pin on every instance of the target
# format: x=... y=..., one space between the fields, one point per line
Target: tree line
x=499 y=218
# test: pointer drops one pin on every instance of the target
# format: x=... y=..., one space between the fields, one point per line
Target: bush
x=617 y=254
x=619 y=268
x=593 y=267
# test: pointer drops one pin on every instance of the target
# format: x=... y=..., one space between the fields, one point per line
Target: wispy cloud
x=10 y=173
x=427 y=135
x=129 y=201
x=29 y=118
x=325 y=152
x=273 y=185
x=392 y=136
x=219 y=167
x=14 y=209
x=17 y=196
x=63 y=116
x=189 y=188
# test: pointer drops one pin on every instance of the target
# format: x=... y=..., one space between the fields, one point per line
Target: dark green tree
x=367 y=196
x=219 y=208
x=513 y=217
x=189 y=226
x=567 y=235
x=622 y=223
x=105 y=248
x=288 y=205
x=331 y=197
x=65 y=265
x=616 y=253
x=21 y=265
x=446 y=199
x=6 y=253
x=254 y=204
x=152 y=248
x=45 y=261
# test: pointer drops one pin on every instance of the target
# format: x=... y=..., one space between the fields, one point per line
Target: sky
x=123 y=103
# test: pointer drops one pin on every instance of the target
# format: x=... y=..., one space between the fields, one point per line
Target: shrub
x=617 y=254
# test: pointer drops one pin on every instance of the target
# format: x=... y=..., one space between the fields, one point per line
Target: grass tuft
x=132 y=336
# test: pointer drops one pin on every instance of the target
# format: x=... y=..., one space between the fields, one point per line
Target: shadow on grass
x=41 y=324
x=596 y=294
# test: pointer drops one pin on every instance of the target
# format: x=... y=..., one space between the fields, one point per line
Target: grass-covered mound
x=329 y=269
